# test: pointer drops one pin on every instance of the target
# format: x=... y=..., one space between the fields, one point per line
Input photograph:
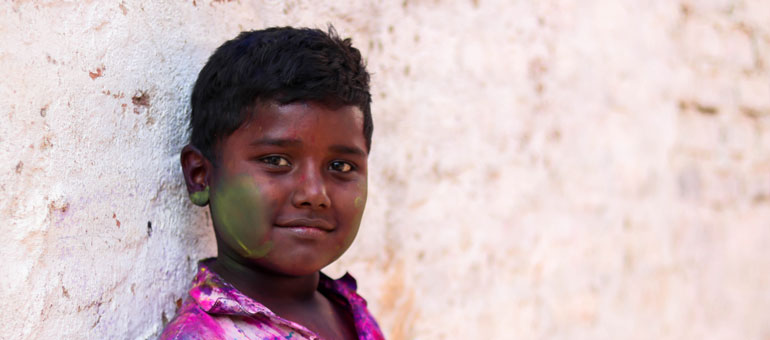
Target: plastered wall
x=593 y=169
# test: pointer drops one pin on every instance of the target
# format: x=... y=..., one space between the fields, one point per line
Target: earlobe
x=200 y=198
x=196 y=170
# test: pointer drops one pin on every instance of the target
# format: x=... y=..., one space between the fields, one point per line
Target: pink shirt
x=215 y=310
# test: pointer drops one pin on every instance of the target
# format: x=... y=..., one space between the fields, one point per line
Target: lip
x=305 y=232
x=305 y=224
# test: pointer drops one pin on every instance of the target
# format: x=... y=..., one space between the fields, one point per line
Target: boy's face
x=290 y=188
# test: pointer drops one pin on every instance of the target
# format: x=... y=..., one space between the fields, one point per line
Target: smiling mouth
x=305 y=231
x=302 y=224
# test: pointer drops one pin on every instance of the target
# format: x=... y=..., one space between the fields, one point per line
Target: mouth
x=305 y=224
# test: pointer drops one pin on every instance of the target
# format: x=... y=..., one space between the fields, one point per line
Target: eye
x=340 y=166
x=276 y=161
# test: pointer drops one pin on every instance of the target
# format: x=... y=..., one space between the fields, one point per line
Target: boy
x=281 y=130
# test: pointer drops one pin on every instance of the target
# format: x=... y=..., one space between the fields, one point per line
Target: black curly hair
x=282 y=64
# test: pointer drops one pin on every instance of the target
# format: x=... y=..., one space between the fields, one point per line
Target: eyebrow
x=276 y=142
x=347 y=150
x=280 y=142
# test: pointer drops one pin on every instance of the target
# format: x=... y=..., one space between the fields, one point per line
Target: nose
x=310 y=191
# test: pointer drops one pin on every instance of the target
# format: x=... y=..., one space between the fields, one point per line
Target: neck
x=275 y=291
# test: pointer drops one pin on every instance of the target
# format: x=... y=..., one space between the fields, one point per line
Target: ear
x=197 y=169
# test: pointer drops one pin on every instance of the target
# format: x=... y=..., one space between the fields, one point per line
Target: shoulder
x=346 y=287
x=192 y=323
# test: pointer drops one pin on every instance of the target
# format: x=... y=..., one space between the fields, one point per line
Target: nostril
x=311 y=193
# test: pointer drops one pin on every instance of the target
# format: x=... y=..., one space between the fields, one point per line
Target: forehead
x=312 y=122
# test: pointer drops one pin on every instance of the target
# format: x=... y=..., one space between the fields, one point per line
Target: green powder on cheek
x=359 y=203
x=239 y=215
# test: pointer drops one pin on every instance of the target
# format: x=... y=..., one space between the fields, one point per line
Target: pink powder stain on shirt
x=216 y=310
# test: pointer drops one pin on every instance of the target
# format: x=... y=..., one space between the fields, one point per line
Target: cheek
x=359 y=203
x=240 y=216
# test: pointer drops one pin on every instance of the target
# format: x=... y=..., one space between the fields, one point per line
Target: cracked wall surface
x=549 y=169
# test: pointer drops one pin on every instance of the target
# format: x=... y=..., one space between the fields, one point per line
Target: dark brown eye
x=275 y=161
x=341 y=166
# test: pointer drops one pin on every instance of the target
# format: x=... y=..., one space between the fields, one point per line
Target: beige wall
x=541 y=169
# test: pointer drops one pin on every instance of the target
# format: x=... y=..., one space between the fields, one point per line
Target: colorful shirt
x=215 y=310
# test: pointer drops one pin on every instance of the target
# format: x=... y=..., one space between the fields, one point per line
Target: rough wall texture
x=543 y=169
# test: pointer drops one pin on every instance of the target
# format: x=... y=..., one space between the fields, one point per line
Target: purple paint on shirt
x=216 y=310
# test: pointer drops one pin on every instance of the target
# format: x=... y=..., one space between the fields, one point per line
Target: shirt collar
x=214 y=295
